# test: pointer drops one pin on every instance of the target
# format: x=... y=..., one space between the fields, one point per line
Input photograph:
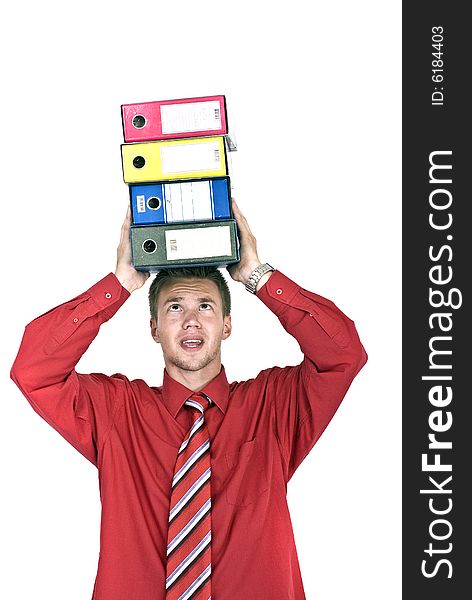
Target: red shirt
x=260 y=432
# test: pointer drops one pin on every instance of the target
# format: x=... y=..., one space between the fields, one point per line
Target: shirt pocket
x=247 y=478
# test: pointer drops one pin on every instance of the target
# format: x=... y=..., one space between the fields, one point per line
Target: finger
x=127 y=222
x=244 y=226
x=236 y=207
x=240 y=218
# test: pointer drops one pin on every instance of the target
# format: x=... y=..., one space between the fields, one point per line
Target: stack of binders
x=175 y=162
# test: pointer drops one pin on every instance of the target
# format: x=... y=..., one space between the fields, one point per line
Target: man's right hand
x=127 y=275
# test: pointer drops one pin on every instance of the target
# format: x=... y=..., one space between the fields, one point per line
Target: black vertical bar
x=437 y=254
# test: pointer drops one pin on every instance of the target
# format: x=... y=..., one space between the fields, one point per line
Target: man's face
x=190 y=325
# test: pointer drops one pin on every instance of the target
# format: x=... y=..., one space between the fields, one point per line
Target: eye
x=205 y=306
x=174 y=307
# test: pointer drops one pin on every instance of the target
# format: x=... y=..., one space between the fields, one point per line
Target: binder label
x=140 y=204
x=190 y=201
x=198 y=243
x=191 y=116
x=184 y=158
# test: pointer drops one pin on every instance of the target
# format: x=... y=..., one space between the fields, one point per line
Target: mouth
x=191 y=344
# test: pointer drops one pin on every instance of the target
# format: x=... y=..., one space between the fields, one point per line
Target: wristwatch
x=255 y=276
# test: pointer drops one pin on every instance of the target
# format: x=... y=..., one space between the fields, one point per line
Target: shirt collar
x=174 y=393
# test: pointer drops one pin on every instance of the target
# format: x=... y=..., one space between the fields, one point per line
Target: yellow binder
x=174 y=159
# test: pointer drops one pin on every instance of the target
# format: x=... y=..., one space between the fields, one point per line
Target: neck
x=194 y=380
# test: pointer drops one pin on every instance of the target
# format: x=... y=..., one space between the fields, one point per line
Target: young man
x=193 y=474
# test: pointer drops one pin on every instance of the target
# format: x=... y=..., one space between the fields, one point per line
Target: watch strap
x=256 y=275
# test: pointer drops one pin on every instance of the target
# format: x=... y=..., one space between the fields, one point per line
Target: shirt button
x=279 y=291
x=76 y=320
x=108 y=295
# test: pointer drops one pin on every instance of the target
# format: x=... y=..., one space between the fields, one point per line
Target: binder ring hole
x=139 y=162
x=154 y=203
x=149 y=246
x=139 y=121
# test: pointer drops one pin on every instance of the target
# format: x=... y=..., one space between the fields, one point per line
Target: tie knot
x=199 y=400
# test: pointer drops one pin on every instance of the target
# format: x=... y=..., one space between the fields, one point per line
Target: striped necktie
x=188 y=572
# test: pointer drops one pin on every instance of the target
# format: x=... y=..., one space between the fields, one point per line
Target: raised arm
x=304 y=397
x=79 y=407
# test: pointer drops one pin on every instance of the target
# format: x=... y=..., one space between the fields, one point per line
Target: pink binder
x=171 y=119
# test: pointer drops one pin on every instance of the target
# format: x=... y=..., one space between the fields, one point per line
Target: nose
x=191 y=319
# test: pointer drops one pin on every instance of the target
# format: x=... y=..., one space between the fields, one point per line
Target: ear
x=154 y=333
x=226 y=327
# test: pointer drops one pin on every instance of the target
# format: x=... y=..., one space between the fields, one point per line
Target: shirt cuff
x=278 y=292
x=108 y=294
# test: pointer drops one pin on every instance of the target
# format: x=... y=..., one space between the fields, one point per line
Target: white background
x=314 y=92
